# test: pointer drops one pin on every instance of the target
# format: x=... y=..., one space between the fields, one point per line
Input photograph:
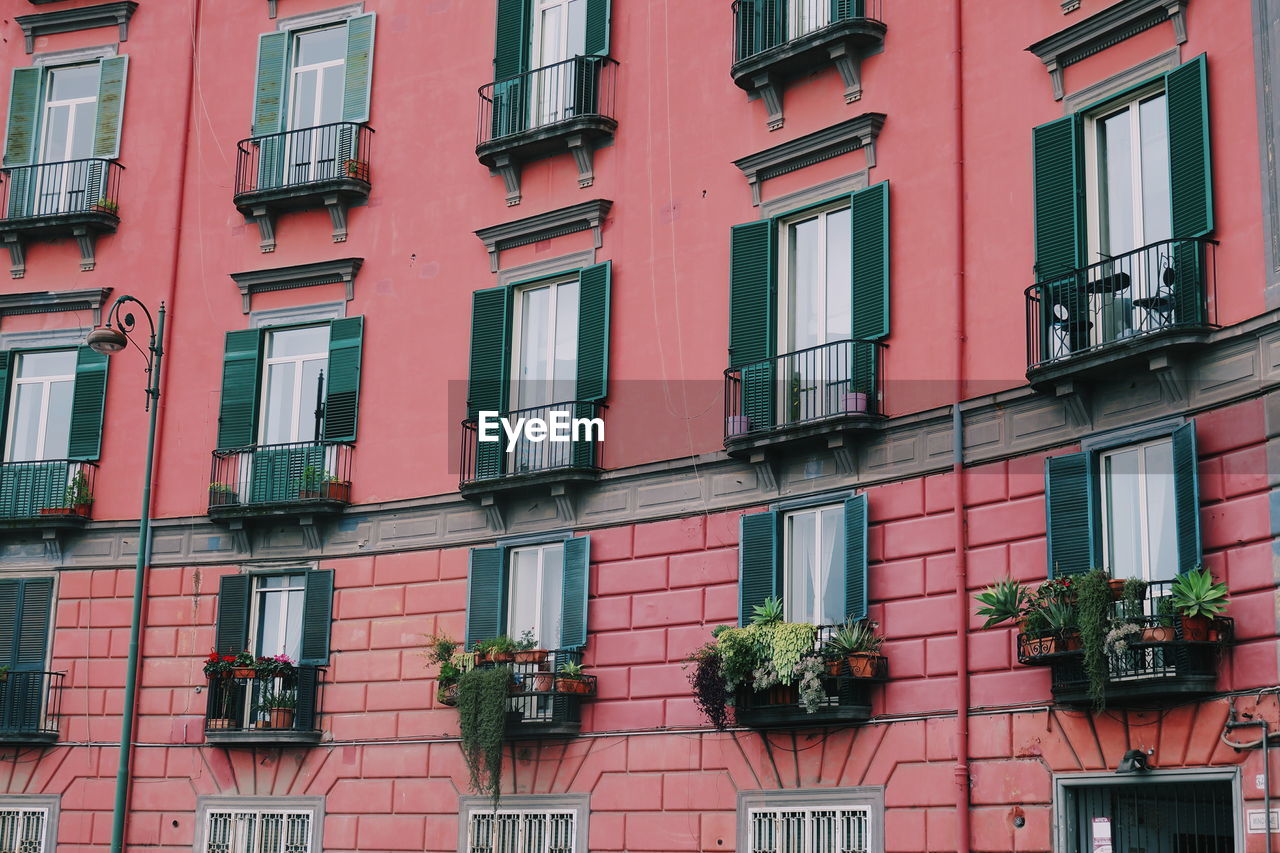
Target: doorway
x=1148 y=814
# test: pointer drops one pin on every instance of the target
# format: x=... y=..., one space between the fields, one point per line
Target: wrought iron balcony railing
x=759 y=25
x=30 y=703
x=581 y=422
x=298 y=473
x=281 y=707
x=1161 y=287
x=577 y=87
x=835 y=380
x=44 y=190
x=542 y=702
x=50 y=490
x=300 y=158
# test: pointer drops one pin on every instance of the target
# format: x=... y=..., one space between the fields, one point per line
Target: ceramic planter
x=862 y=664
x=337 y=490
x=244 y=672
x=854 y=403
x=1117 y=588
x=1157 y=634
x=218 y=723
x=1031 y=646
x=531 y=656
x=782 y=694
x=500 y=657
x=1195 y=629
x=573 y=686
x=280 y=718
x=447 y=695
x=543 y=682
x=737 y=425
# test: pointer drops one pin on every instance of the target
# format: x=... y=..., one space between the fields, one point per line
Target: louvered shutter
x=751 y=317
x=573 y=611
x=1059 y=197
x=238 y=415
x=1070 y=509
x=36 y=605
x=232 y=632
x=355 y=96
x=510 y=61
x=1190 y=170
x=855 y=557
x=20 y=143
x=757 y=562
x=6 y=360
x=342 y=396
x=597 y=38
x=869 y=219
x=308 y=687
x=317 y=617
x=593 y=351
x=1186 y=496
x=112 y=75
x=269 y=107
x=487 y=384
x=87 y=404
x=486 y=594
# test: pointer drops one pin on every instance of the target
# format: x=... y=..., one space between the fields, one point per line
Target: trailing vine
x=1094 y=607
x=482 y=715
x=709 y=691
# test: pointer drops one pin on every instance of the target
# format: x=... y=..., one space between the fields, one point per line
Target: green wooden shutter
x=597 y=41
x=342 y=396
x=869 y=219
x=573 y=610
x=6 y=359
x=1059 y=197
x=232 y=632
x=486 y=593
x=35 y=607
x=10 y=591
x=87 y=403
x=757 y=561
x=308 y=686
x=355 y=96
x=238 y=416
x=593 y=331
x=112 y=74
x=511 y=53
x=1070 y=511
x=751 y=317
x=855 y=557
x=487 y=383
x=1186 y=496
x=269 y=87
x=1190 y=172
x=24 y=105
x=317 y=617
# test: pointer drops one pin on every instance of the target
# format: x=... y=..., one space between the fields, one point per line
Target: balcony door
x=813 y=565
x=39 y=425
x=66 y=136
x=290 y=459
x=317 y=83
x=805 y=16
x=559 y=34
x=815 y=313
x=545 y=365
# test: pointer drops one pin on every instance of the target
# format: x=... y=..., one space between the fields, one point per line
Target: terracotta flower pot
x=1157 y=634
x=218 y=723
x=500 y=657
x=244 y=672
x=543 y=682
x=281 y=718
x=1195 y=629
x=574 y=686
x=339 y=490
x=1072 y=642
x=531 y=656
x=862 y=664
x=782 y=694
x=447 y=695
x=1117 y=588
x=833 y=666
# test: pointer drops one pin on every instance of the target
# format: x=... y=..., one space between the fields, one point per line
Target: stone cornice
x=55 y=301
x=1108 y=27
x=70 y=20
x=858 y=132
x=544 y=226
x=302 y=275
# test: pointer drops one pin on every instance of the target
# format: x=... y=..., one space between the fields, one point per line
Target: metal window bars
x=542 y=97
x=298 y=158
x=295 y=472
x=759 y=25
x=47 y=488
x=88 y=186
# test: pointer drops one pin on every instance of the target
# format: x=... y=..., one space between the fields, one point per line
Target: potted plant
x=737 y=425
x=442 y=651
x=333 y=489
x=853 y=402
x=570 y=679
x=710 y=693
x=78 y=496
x=358 y=169
x=447 y=684
x=482 y=716
x=309 y=484
x=1133 y=596
x=1160 y=627
x=280 y=705
x=858 y=644
x=1059 y=632
x=276 y=666
x=221 y=494
x=4 y=672
x=218 y=666
x=500 y=649
x=106 y=205
x=527 y=651
x=244 y=665
x=1198 y=600
x=1004 y=601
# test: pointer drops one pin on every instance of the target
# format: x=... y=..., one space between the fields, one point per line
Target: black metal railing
x=581 y=86
x=577 y=427
x=46 y=489
x=58 y=189
x=278 y=703
x=759 y=25
x=828 y=381
x=298 y=472
x=30 y=703
x=309 y=155
x=540 y=696
x=1159 y=287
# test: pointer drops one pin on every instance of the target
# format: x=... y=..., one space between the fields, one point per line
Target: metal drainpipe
x=957 y=431
x=124 y=775
x=1232 y=724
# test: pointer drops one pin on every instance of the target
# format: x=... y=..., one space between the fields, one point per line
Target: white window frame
x=48 y=806
x=551 y=94
x=255 y=604
x=207 y=806
x=1144 y=520
x=786 y=293
x=517 y=334
x=41 y=181
x=298 y=391
x=74 y=105
x=42 y=428
x=577 y=805
x=867 y=799
x=815 y=13
x=787 y=568
x=546 y=642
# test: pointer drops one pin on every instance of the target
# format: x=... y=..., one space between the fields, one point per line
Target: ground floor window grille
x=810 y=830
x=258 y=832
x=22 y=830
x=522 y=832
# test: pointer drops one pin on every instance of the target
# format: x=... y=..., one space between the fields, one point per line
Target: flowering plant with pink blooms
x=281 y=666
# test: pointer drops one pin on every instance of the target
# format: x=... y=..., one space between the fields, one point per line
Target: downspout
x=957 y=467
x=1234 y=723
x=124 y=774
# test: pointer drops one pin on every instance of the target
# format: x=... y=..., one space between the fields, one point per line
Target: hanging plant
x=707 y=681
x=482 y=717
x=1093 y=613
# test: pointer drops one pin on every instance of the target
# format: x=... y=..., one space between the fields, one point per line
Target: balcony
x=778 y=41
x=1138 y=306
x=75 y=198
x=256 y=711
x=1164 y=660
x=563 y=107
x=50 y=495
x=325 y=166
x=542 y=705
x=29 y=707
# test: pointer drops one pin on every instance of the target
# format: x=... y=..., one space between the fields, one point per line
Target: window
x=805 y=16
x=278 y=606
x=525 y=823
x=40 y=406
x=315 y=99
x=832 y=820
x=542 y=588
x=1127 y=152
x=28 y=824
x=1131 y=507
x=259 y=825
x=279 y=613
x=559 y=34
x=820 y=571
x=70 y=109
x=26 y=607
x=293 y=384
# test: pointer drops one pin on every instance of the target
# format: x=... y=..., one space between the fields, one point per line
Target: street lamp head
x=106 y=340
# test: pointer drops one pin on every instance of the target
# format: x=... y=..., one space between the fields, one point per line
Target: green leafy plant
x=1093 y=612
x=78 y=493
x=854 y=637
x=1164 y=612
x=1004 y=601
x=813 y=693
x=281 y=699
x=767 y=613
x=482 y=716
x=107 y=205
x=1196 y=593
x=526 y=641
x=707 y=682
x=1059 y=617
x=1132 y=599
x=245 y=659
x=571 y=671
x=495 y=646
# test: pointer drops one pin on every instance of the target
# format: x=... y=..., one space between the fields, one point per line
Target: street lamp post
x=108 y=340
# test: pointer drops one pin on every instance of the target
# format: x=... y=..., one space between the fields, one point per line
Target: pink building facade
x=878 y=305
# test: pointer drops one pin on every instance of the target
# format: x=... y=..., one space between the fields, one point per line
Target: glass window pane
x=831 y=561
x=56 y=121
x=533 y=370
x=331 y=96
x=312 y=390
x=565 y=370
x=839 y=276
x=80 y=81
x=82 y=126
x=522 y=606
x=577 y=27
x=322 y=45
x=552 y=596
x=1124 y=546
x=549 y=46
x=57 y=430
x=801 y=531
x=277 y=415
x=308 y=340
x=1115 y=173
x=1156 y=213
x=24 y=430
x=803 y=316
x=305 y=84
x=53 y=363
x=1162 y=533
